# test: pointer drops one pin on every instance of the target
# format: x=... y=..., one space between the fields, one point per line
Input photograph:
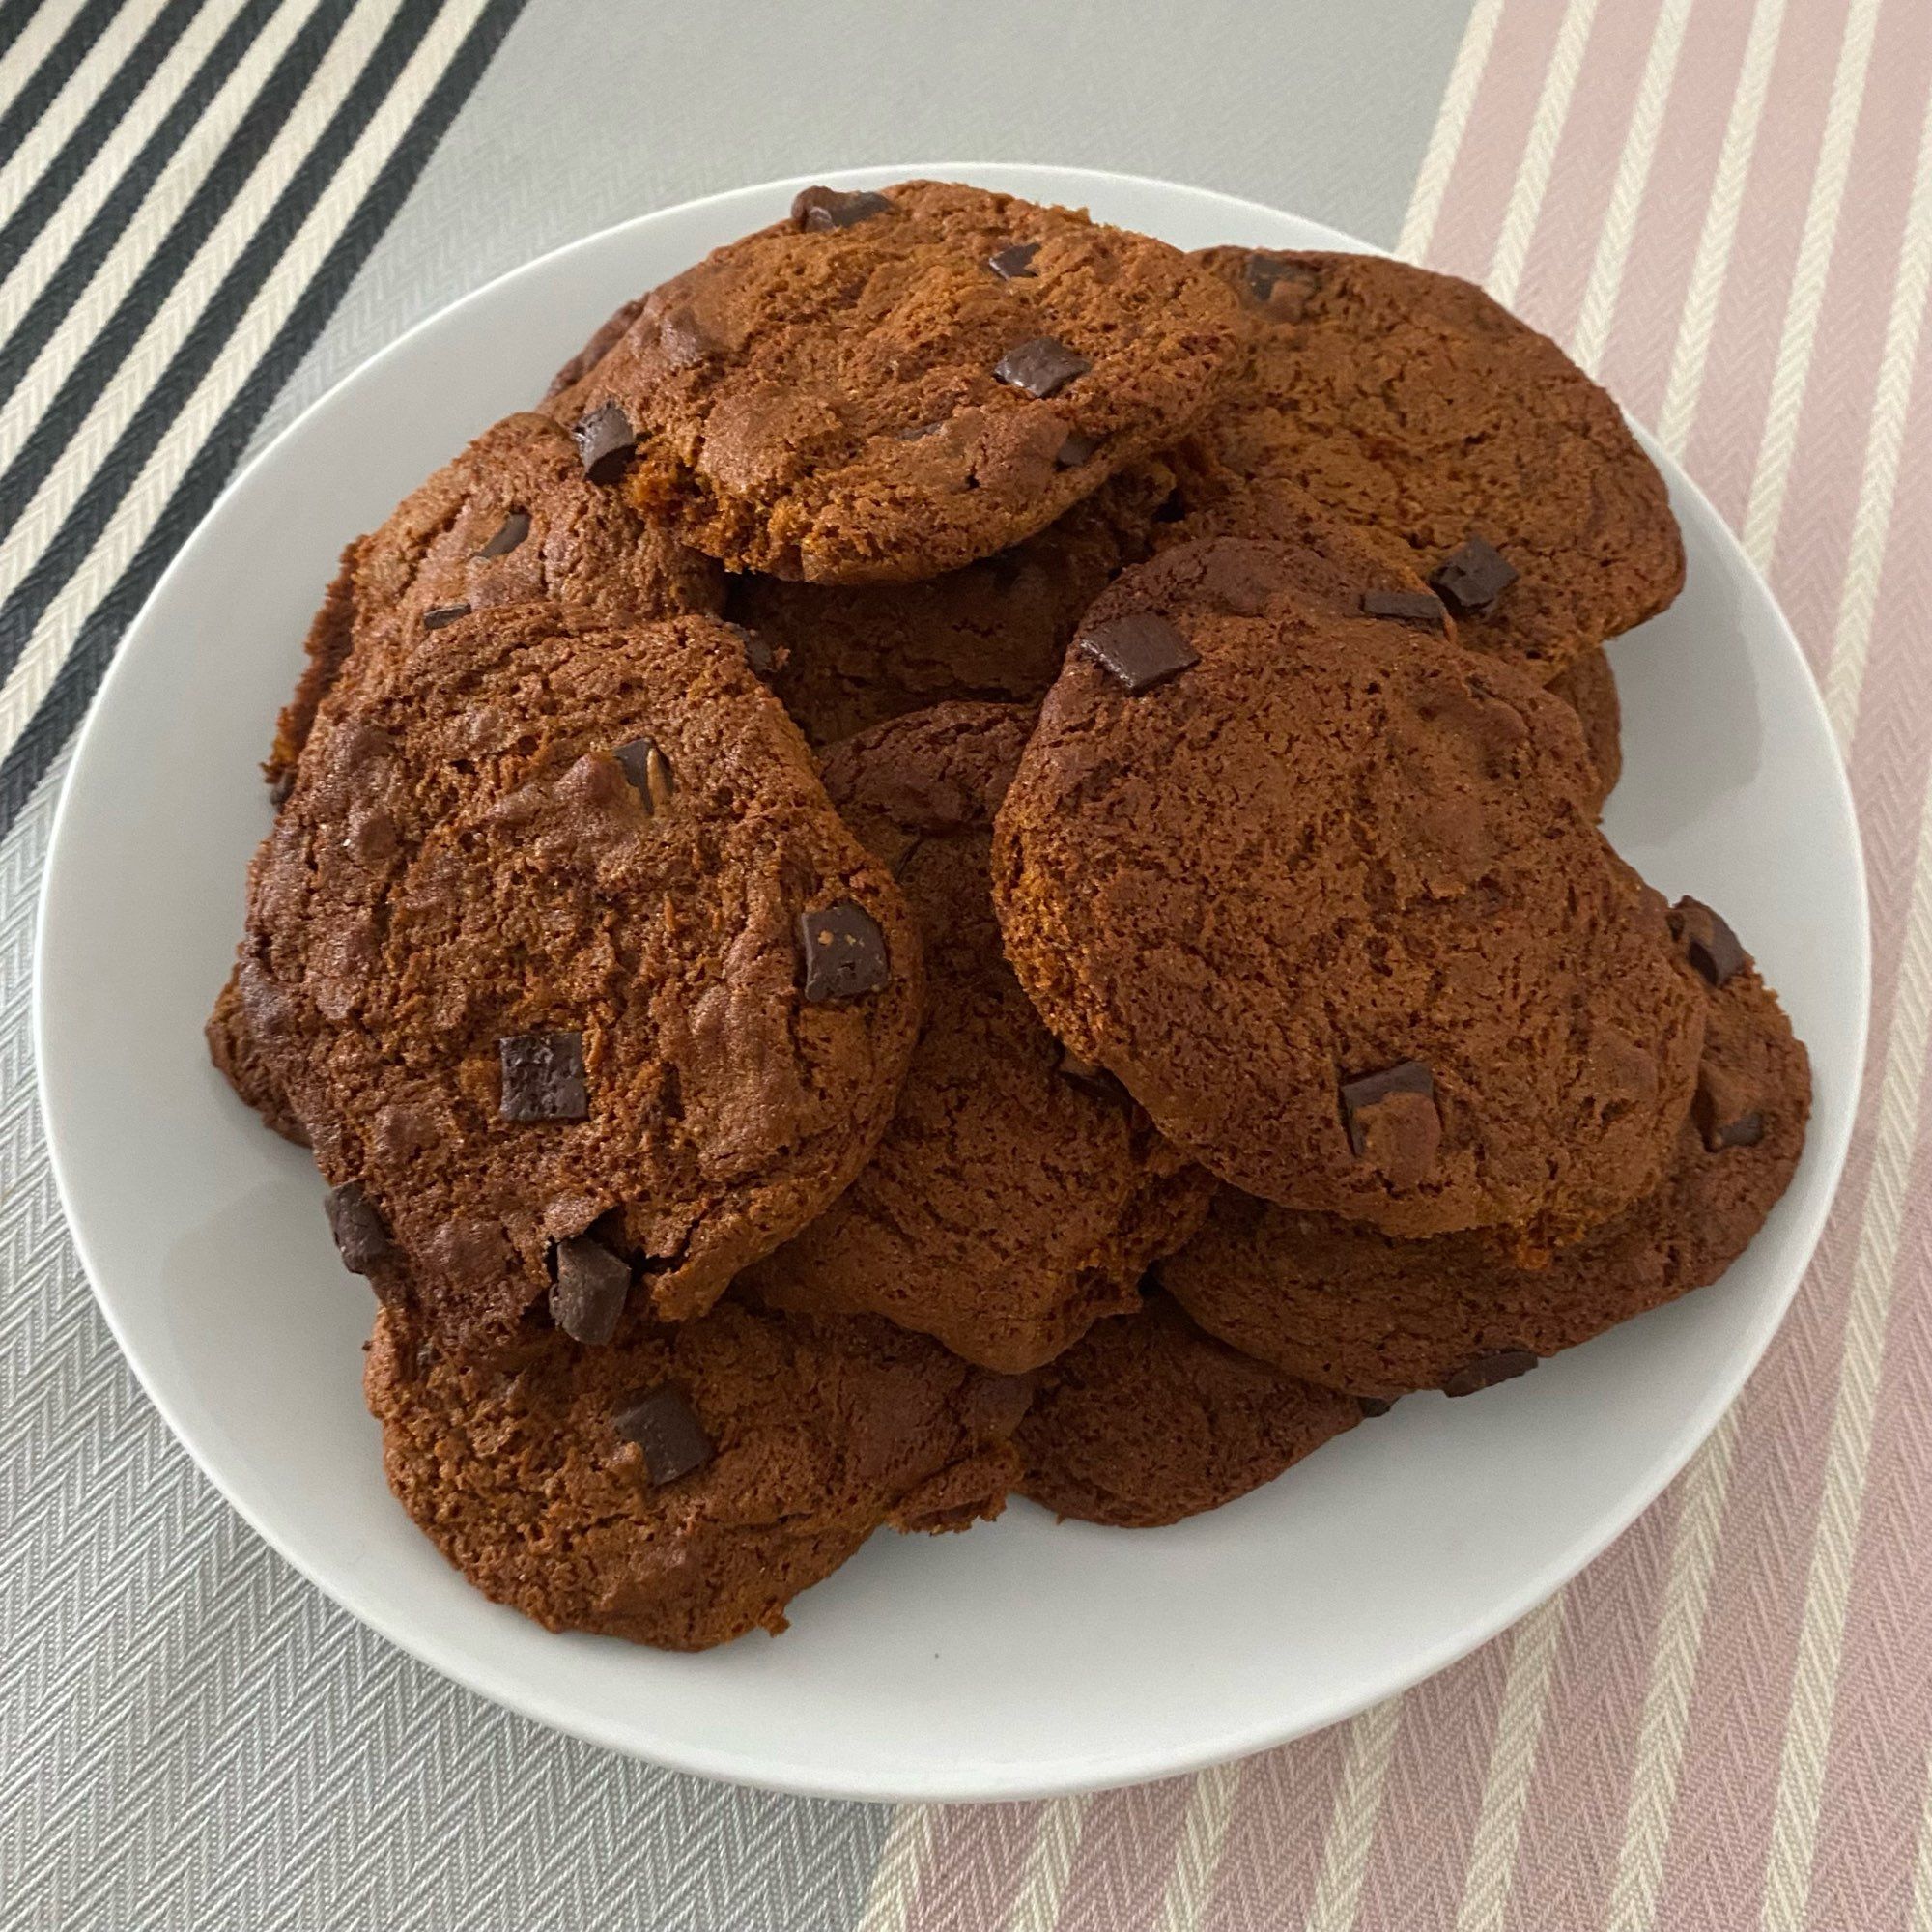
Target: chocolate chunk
x=1406 y=607
x=649 y=772
x=360 y=1238
x=1487 y=1371
x=683 y=338
x=1089 y=1078
x=817 y=209
x=1140 y=651
x=279 y=788
x=665 y=1426
x=590 y=1284
x=1015 y=260
x=1471 y=579
x=543 y=1077
x=606 y=443
x=1372 y=1404
x=1709 y=943
x=1077 y=449
x=1041 y=367
x=1262 y=275
x=515 y=528
x=435 y=618
x=1724 y=1109
x=1393 y=1122
x=845 y=952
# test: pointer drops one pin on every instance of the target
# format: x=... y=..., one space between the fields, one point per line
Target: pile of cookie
x=971 y=864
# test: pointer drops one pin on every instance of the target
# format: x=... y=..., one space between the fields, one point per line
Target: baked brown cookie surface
x=1347 y=1307
x=891 y=385
x=1147 y=1420
x=231 y=1045
x=513 y=519
x=1589 y=687
x=1326 y=894
x=1013 y=1199
x=562 y=955
x=682 y=1485
x=1410 y=403
x=851 y=656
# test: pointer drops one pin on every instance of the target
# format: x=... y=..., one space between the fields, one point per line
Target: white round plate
x=1025 y=1658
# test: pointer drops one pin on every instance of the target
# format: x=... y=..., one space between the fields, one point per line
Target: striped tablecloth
x=1725 y=207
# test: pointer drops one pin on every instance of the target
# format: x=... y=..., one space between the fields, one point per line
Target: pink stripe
x=1121 y=1873
x=1741 y=1713
x=1557 y=267
x=1273 y=1851
x=1869 y=1820
x=1434 y=1793
x=1882 y=1721
x=1579 y=1798
x=1809 y=567
x=1485 y=170
x=1737 y=378
x=1636 y=360
x=978 y=1854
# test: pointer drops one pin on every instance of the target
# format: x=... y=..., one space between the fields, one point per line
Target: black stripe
x=48 y=78
x=79 y=148
x=105 y=225
x=256 y=130
x=214 y=462
x=13 y=18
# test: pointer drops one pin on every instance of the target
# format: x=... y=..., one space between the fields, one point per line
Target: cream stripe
x=62 y=114
x=1351 y=1827
x=1920 y=1920
x=1198 y=1852
x=278 y=294
x=1901 y=1100
x=126 y=385
x=1492 y=1872
x=1713 y=259
x=903 y=1860
x=109 y=161
x=1766 y=507
x=1044 y=1883
x=1539 y=159
x=1664 y=1724
x=1452 y=123
x=1704 y=1487
x=36 y=42
x=136 y=244
x=1885 y=444
x=1632 y=178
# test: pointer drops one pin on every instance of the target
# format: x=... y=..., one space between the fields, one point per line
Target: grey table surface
x=196 y=1737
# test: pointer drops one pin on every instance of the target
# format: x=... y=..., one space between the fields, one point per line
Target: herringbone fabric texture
x=1723 y=205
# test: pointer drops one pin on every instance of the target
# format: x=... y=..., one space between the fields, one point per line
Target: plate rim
x=985 y=1780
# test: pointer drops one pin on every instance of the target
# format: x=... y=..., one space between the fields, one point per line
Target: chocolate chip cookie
x=231 y=1045
x=513 y=517
x=889 y=386
x=1410 y=403
x=1017 y=1194
x=1326 y=894
x=1589 y=687
x=1147 y=1420
x=848 y=657
x=567 y=964
x=1349 y=1308
x=682 y=1485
